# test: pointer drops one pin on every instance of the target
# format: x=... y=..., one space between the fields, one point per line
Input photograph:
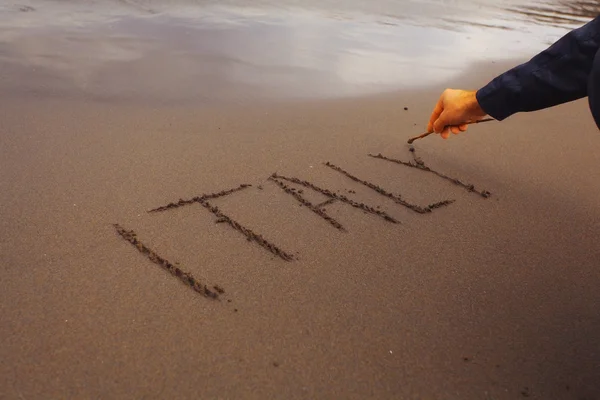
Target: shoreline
x=242 y=58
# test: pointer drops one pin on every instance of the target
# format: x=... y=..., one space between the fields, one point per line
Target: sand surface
x=485 y=298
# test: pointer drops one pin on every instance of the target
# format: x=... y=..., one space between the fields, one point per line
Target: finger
x=463 y=127
x=440 y=124
x=439 y=107
x=445 y=134
x=455 y=129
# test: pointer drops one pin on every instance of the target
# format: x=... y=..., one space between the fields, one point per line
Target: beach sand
x=486 y=298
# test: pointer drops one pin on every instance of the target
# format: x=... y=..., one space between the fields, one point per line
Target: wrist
x=473 y=106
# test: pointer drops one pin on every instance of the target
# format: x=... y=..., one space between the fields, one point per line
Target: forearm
x=557 y=75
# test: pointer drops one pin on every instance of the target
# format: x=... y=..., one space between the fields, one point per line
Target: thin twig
x=421 y=136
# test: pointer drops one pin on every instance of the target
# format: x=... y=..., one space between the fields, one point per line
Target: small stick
x=429 y=133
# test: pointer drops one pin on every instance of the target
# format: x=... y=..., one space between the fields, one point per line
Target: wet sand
x=482 y=298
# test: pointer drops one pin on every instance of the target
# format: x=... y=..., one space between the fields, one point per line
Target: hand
x=453 y=110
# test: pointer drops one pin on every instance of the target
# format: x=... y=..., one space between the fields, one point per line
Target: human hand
x=454 y=109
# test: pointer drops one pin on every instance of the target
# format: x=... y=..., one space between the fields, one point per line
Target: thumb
x=440 y=123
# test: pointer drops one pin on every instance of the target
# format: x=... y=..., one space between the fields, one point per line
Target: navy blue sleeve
x=557 y=75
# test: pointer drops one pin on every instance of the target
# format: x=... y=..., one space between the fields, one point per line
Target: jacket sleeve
x=557 y=75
